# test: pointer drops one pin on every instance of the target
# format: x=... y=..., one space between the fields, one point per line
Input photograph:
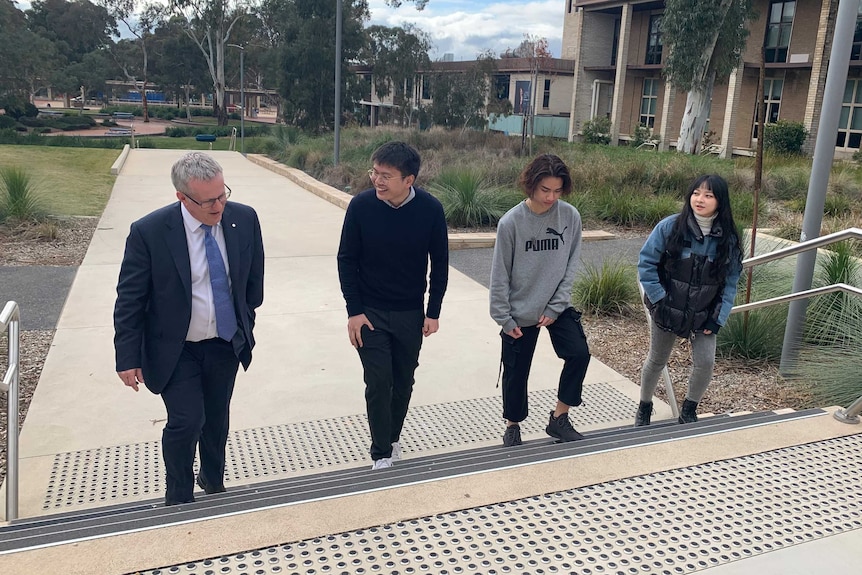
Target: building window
x=546 y=97
x=772 y=89
x=426 y=87
x=649 y=100
x=501 y=86
x=615 y=45
x=850 y=124
x=856 y=50
x=778 y=30
x=653 y=52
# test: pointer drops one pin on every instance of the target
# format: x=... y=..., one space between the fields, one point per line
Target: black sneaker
x=512 y=436
x=561 y=428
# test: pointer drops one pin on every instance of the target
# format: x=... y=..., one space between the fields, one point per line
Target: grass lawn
x=69 y=181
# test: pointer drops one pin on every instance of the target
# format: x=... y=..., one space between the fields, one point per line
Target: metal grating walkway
x=667 y=523
x=114 y=473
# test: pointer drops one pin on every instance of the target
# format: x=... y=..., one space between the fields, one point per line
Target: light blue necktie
x=225 y=314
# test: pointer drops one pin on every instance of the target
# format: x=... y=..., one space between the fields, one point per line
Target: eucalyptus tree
x=74 y=29
x=178 y=65
x=705 y=41
x=396 y=55
x=303 y=34
x=210 y=25
x=140 y=20
x=463 y=99
x=26 y=59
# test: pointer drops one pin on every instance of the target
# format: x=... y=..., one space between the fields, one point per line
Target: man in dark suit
x=190 y=281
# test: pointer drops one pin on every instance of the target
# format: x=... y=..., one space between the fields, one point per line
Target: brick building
x=618 y=52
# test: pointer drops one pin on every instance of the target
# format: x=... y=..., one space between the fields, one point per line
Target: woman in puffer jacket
x=689 y=268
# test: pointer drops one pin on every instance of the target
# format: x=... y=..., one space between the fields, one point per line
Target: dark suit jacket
x=154 y=298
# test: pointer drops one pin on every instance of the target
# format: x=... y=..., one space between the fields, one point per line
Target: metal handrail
x=818 y=242
x=849 y=415
x=10 y=320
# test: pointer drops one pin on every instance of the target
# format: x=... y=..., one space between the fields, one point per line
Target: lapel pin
x=233 y=225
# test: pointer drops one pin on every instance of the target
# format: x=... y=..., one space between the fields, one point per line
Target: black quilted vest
x=693 y=284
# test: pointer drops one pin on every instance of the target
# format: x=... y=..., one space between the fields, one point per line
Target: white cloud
x=469 y=27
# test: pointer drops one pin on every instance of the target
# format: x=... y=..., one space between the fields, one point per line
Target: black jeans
x=570 y=345
x=197 y=399
x=390 y=356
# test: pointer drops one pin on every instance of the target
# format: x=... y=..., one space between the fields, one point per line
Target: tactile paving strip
x=667 y=523
x=112 y=473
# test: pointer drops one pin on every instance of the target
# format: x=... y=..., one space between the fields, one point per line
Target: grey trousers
x=702 y=359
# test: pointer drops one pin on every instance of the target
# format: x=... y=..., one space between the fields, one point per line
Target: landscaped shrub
x=607 y=290
x=597 y=130
x=831 y=315
x=18 y=198
x=642 y=134
x=468 y=199
x=7 y=122
x=784 y=137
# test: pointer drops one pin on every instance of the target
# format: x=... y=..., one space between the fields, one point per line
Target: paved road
x=40 y=292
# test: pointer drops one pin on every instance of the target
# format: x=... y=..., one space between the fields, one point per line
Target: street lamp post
x=241 y=99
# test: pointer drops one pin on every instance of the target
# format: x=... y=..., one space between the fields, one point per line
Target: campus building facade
x=618 y=53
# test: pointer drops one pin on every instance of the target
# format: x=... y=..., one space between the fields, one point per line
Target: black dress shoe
x=169 y=502
x=209 y=489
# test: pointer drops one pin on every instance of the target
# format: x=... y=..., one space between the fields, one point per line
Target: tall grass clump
x=468 y=200
x=831 y=316
x=607 y=290
x=19 y=199
x=832 y=373
x=760 y=335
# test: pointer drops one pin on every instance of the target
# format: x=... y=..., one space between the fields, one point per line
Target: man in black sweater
x=388 y=235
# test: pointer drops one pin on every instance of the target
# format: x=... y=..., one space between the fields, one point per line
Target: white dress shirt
x=203 y=323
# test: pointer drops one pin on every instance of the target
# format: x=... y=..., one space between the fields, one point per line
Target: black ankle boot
x=687 y=414
x=644 y=413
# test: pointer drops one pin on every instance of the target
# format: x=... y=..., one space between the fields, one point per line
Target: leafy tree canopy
x=692 y=49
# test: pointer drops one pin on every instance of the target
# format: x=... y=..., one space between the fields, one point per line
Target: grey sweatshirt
x=535 y=257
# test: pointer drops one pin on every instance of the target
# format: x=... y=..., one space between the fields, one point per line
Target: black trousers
x=197 y=399
x=570 y=345
x=390 y=356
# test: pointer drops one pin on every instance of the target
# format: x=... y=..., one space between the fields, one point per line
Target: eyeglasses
x=374 y=174
x=207 y=204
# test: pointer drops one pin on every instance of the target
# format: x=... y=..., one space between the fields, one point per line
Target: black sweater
x=383 y=255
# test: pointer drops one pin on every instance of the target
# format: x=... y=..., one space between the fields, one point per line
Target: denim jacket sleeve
x=728 y=294
x=650 y=256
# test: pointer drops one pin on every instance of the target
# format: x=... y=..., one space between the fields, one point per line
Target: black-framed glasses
x=374 y=174
x=207 y=204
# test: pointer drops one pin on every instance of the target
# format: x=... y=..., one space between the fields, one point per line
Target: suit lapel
x=179 y=248
x=231 y=240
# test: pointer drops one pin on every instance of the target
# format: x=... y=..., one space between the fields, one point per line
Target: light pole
x=241 y=99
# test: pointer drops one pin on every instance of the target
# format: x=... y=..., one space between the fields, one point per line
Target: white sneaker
x=396 y=451
x=382 y=463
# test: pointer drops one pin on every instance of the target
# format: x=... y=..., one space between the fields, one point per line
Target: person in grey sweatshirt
x=535 y=257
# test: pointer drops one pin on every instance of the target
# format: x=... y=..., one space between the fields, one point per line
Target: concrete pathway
x=304 y=368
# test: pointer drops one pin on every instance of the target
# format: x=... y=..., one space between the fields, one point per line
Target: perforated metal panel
x=667 y=523
x=112 y=473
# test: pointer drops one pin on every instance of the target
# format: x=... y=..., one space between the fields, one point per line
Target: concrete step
x=128 y=518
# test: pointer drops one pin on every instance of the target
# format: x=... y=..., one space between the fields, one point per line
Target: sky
x=466 y=28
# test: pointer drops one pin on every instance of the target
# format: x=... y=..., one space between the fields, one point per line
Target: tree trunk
x=694 y=119
x=145 y=110
x=188 y=101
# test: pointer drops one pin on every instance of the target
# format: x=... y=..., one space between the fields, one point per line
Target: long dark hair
x=728 y=244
